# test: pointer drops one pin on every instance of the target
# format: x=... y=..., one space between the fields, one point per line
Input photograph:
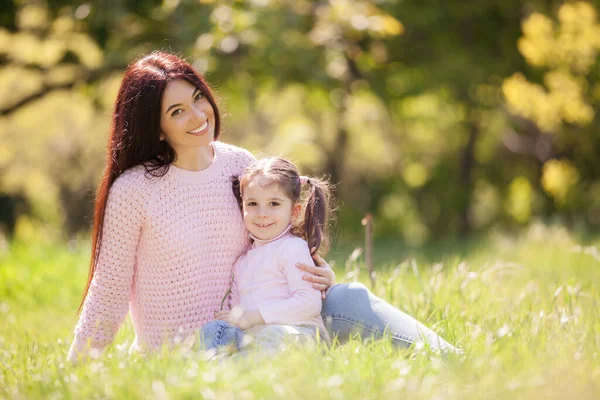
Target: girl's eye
x=274 y=204
x=199 y=96
x=250 y=204
x=176 y=112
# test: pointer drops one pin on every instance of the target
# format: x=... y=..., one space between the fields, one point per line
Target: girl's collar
x=260 y=242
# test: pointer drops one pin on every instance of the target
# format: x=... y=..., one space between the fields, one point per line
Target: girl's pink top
x=266 y=279
x=168 y=246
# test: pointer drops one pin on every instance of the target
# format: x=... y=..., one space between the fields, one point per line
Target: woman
x=167 y=227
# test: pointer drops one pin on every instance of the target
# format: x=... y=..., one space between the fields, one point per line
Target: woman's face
x=187 y=119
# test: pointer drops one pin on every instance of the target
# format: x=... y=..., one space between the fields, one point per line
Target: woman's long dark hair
x=316 y=202
x=134 y=137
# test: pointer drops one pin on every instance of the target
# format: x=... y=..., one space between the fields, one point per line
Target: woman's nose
x=200 y=114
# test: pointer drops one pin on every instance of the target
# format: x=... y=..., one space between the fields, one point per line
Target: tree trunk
x=336 y=155
x=467 y=164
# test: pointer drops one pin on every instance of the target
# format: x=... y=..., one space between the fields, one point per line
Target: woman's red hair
x=134 y=137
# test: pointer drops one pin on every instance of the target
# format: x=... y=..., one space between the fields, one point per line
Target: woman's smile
x=201 y=130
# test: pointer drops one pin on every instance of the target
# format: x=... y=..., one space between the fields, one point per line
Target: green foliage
x=564 y=103
x=523 y=308
x=439 y=120
x=520 y=199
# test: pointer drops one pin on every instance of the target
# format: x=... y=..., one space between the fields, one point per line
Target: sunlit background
x=469 y=129
x=444 y=119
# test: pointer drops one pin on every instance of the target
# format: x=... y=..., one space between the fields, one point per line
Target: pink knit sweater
x=168 y=247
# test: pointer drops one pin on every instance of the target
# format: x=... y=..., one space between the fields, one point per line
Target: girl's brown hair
x=134 y=136
x=316 y=202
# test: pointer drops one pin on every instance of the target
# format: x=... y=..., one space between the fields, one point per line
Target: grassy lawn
x=524 y=309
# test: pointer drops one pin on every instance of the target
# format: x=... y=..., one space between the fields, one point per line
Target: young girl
x=270 y=301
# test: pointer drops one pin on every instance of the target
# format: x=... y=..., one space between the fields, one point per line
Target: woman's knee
x=358 y=288
x=347 y=294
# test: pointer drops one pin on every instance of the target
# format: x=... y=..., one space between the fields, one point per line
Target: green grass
x=525 y=310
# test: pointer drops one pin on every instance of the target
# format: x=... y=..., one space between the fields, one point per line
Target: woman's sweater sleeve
x=305 y=301
x=107 y=301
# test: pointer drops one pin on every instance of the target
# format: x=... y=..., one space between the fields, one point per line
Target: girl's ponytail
x=316 y=214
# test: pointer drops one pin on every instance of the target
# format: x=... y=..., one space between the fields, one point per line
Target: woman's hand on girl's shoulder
x=320 y=275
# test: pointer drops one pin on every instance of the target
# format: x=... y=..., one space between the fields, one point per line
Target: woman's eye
x=199 y=96
x=176 y=112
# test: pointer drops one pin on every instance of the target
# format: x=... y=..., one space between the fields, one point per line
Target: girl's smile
x=267 y=209
x=263 y=225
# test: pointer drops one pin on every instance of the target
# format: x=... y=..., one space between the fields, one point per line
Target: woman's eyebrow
x=172 y=106
x=179 y=104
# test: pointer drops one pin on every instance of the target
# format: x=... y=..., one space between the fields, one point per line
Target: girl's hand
x=321 y=275
x=249 y=319
x=243 y=319
x=223 y=315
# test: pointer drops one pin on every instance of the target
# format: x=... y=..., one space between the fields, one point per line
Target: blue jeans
x=217 y=333
x=351 y=308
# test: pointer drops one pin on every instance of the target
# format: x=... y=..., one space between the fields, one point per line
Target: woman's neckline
x=199 y=159
x=203 y=175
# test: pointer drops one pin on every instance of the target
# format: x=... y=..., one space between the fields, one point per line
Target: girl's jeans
x=219 y=333
x=351 y=308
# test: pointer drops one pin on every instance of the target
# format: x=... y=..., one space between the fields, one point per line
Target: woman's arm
x=107 y=301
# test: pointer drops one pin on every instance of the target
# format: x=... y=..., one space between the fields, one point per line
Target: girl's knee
x=272 y=332
x=219 y=333
x=214 y=326
x=274 y=337
x=211 y=330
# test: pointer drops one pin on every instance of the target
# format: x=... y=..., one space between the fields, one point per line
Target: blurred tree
x=457 y=53
x=304 y=77
x=563 y=103
x=51 y=131
x=415 y=109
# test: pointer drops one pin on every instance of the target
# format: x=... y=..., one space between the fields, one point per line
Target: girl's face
x=187 y=119
x=267 y=209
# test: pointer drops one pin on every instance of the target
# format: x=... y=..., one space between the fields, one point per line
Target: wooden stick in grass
x=367 y=222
